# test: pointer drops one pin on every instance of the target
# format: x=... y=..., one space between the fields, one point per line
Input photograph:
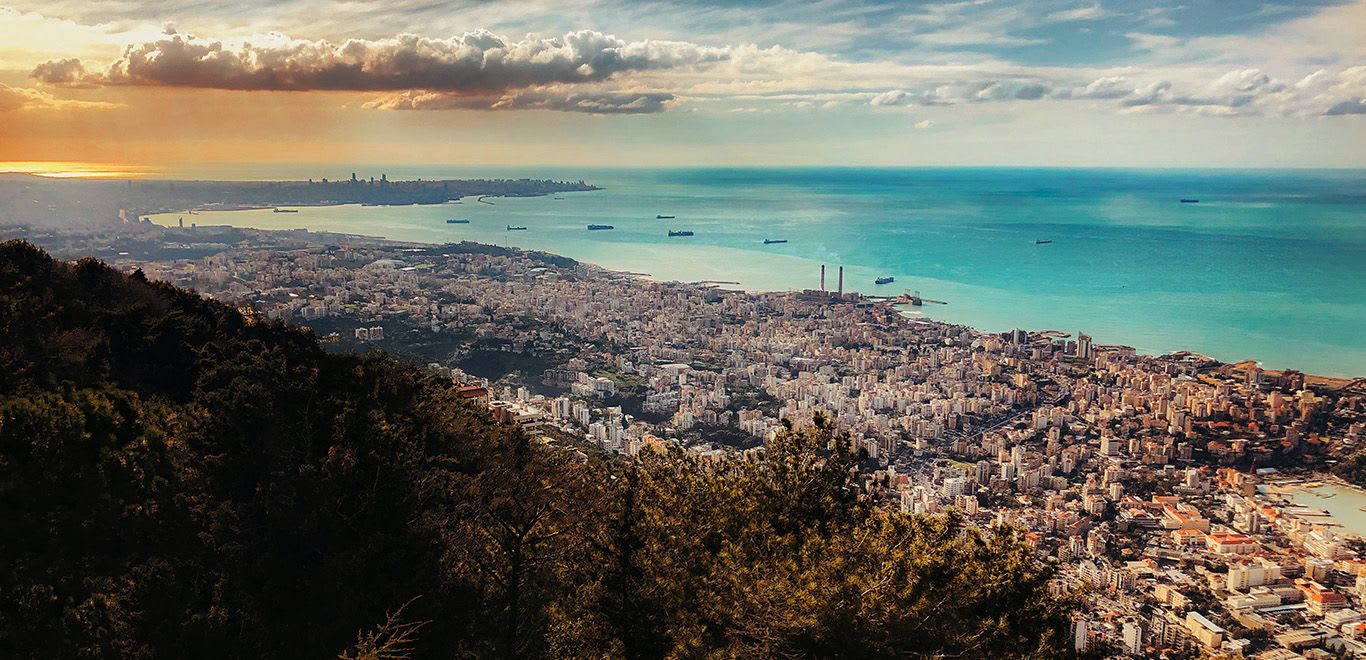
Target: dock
x=914 y=299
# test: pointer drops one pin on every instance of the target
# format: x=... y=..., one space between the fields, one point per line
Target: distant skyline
x=173 y=86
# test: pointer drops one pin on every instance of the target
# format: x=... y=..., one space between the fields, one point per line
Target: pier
x=916 y=300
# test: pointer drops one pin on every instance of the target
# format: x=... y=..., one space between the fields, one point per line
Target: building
x=1255 y=574
x=1209 y=634
x=1230 y=543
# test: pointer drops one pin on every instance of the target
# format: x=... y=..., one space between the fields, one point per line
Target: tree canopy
x=184 y=480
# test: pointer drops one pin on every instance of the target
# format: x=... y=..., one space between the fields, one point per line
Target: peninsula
x=35 y=200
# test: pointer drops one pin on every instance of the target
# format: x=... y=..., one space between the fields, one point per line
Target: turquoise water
x=1268 y=266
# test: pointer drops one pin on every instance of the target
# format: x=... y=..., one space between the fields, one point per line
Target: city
x=1158 y=483
x=528 y=330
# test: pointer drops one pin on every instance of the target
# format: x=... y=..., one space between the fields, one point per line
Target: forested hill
x=181 y=481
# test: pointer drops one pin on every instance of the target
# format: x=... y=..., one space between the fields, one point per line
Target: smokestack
x=841 y=292
x=822 y=277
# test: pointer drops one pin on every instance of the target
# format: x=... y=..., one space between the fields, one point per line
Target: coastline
x=218 y=207
x=731 y=254
x=906 y=311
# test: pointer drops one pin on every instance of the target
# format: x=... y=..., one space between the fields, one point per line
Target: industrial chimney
x=841 y=291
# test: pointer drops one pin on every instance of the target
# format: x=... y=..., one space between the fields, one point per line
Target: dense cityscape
x=1159 y=484
x=1026 y=330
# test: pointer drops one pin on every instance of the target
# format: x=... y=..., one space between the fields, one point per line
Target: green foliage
x=1353 y=470
x=184 y=481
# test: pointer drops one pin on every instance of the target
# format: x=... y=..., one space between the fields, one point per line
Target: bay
x=1268 y=265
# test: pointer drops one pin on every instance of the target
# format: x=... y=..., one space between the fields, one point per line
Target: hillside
x=184 y=481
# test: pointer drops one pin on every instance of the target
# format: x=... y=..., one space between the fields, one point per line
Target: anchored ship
x=664 y=217
x=1189 y=201
x=680 y=233
x=599 y=227
x=457 y=222
x=771 y=241
x=512 y=228
x=884 y=280
x=285 y=211
x=1043 y=241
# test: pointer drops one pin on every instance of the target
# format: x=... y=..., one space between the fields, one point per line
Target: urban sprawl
x=1160 y=485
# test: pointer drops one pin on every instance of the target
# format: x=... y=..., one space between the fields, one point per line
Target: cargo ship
x=457 y=222
x=1043 y=241
x=680 y=233
x=1189 y=201
x=599 y=227
x=664 y=217
x=884 y=280
x=771 y=241
x=285 y=211
x=512 y=228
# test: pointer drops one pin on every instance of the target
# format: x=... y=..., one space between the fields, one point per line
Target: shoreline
x=913 y=314
x=196 y=210
x=637 y=254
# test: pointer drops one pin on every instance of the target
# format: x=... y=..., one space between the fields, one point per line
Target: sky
x=166 y=87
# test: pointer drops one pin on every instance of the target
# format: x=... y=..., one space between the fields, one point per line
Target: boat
x=664 y=217
x=557 y=198
x=599 y=227
x=884 y=280
x=1185 y=200
x=772 y=241
x=512 y=228
x=458 y=222
x=680 y=233
x=1043 y=241
x=284 y=210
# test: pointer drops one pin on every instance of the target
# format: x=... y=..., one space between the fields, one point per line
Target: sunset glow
x=1040 y=82
x=75 y=170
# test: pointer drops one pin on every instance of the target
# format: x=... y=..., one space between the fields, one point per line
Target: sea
x=1345 y=505
x=1267 y=265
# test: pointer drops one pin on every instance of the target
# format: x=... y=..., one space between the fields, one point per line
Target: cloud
x=1348 y=107
x=479 y=62
x=925 y=123
x=1149 y=94
x=889 y=98
x=22 y=98
x=594 y=72
x=974 y=36
x=954 y=93
x=598 y=103
x=1237 y=93
x=1031 y=92
x=68 y=72
x=1109 y=87
x=1153 y=42
x=1091 y=13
